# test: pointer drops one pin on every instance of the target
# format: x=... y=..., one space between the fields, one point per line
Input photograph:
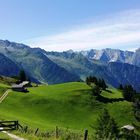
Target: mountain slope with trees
x=35 y=63
x=114 y=73
x=59 y=67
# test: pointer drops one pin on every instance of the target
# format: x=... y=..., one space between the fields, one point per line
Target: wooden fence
x=14 y=125
x=9 y=125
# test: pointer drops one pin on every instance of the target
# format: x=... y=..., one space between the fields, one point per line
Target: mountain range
x=115 y=66
x=114 y=72
x=114 y=55
x=35 y=63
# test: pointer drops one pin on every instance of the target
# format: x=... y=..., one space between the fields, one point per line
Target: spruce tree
x=96 y=90
x=113 y=129
x=106 y=127
x=120 y=87
x=128 y=92
x=22 y=76
x=99 y=83
x=104 y=86
x=87 y=81
x=136 y=107
x=94 y=80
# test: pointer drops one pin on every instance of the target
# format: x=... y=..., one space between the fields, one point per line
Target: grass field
x=4 y=136
x=65 y=105
x=112 y=93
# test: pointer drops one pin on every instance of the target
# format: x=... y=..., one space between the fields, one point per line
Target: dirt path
x=13 y=136
x=4 y=95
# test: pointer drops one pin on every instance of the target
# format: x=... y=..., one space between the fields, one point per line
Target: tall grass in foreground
x=57 y=133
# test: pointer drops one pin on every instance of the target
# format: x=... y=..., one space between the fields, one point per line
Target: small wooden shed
x=128 y=128
x=19 y=88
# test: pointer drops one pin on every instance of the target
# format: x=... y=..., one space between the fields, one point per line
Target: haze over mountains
x=115 y=66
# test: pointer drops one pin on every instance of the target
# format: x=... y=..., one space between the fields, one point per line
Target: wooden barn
x=21 y=87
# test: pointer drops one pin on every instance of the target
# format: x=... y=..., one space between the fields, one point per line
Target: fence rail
x=8 y=125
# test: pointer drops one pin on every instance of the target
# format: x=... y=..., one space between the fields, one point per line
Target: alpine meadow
x=70 y=70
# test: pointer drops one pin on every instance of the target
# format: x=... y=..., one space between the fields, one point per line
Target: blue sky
x=71 y=24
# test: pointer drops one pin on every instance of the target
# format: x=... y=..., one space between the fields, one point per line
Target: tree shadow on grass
x=99 y=97
x=108 y=100
x=109 y=91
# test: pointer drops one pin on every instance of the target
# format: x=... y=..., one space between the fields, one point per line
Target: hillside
x=64 y=105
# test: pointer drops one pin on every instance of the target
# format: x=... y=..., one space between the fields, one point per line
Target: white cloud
x=119 y=30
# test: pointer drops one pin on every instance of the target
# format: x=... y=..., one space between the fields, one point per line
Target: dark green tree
x=22 y=76
x=128 y=92
x=96 y=90
x=94 y=80
x=136 y=107
x=88 y=81
x=90 y=78
x=120 y=87
x=99 y=83
x=104 y=86
x=113 y=129
x=106 y=127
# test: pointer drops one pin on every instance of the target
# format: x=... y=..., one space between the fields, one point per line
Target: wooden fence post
x=16 y=125
x=47 y=134
x=86 y=135
x=36 y=131
x=56 y=132
x=26 y=129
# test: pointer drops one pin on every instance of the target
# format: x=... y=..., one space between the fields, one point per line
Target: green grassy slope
x=112 y=93
x=65 y=105
x=4 y=136
x=5 y=84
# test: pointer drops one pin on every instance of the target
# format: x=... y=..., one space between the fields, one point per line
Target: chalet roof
x=21 y=85
x=17 y=86
x=24 y=83
x=128 y=127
